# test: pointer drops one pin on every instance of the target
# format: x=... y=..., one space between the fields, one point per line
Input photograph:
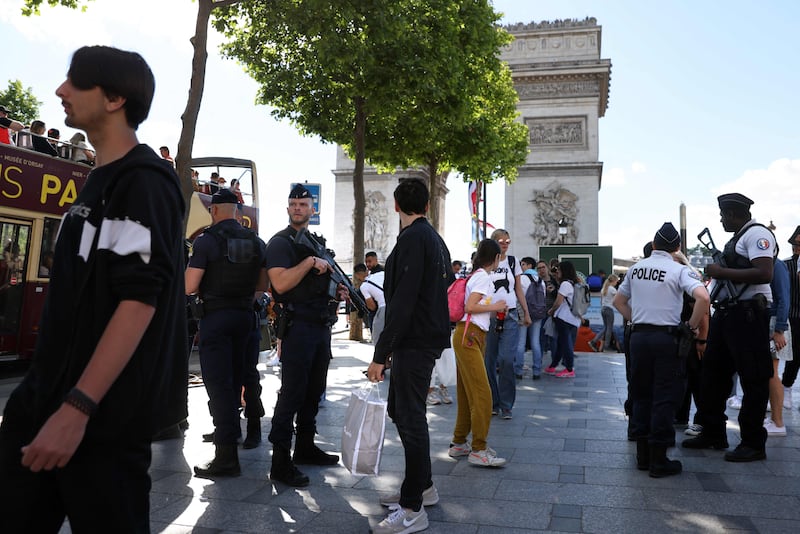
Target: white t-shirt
x=608 y=298
x=504 y=281
x=564 y=312
x=480 y=282
x=369 y=290
x=757 y=242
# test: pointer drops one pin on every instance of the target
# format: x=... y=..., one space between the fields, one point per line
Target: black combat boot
x=660 y=465
x=307 y=453
x=224 y=464
x=253 y=433
x=642 y=455
x=284 y=470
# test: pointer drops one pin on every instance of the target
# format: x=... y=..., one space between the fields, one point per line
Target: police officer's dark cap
x=298 y=191
x=667 y=237
x=794 y=240
x=734 y=201
x=224 y=196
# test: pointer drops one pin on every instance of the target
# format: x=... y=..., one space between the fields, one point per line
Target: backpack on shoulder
x=580 y=299
x=457 y=299
x=534 y=296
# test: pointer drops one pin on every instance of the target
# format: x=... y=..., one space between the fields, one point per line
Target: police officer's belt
x=758 y=302
x=643 y=327
x=211 y=303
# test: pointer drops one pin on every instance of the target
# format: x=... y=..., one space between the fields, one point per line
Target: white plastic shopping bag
x=364 y=427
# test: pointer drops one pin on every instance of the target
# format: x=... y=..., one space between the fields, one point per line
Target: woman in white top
x=80 y=150
x=469 y=342
x=566 y=322
x=607 y=312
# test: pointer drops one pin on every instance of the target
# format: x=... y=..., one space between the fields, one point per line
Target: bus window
x=49 y=234
x=15 y=238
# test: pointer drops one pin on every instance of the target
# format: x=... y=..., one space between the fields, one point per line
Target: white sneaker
x=773 y=429
x=787 y=398
x=433 y=398
x=429 y=497
x=693 y=430
x=459 y=449
x=445 y=395
x=735 y=402
x=403 y=521
x=486 y=458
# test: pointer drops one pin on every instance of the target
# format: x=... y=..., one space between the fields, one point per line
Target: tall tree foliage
x=21 y=101
x=395 y=82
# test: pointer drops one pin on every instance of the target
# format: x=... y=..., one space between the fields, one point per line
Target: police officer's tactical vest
x=312 y=287
x=230 y=281
x=733 y=259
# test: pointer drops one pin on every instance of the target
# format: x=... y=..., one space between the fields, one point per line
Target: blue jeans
x=565 y=334
x=532 y=334
x=501 y=351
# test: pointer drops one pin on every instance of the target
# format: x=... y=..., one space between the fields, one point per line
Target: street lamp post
x=562 y=229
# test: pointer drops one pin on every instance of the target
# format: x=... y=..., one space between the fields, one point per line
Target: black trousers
x=738 y=341
x=223 y=336
x=693 y=388
x=790 y=368
x=305 y=357
x=105 y=485
x=408 y=388
x=655 y=385
x=252 y=377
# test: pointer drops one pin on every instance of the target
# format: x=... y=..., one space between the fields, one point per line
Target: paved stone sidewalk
x=570 y=469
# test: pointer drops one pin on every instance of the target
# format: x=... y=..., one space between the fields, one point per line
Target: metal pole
x=683 y=227
x=484 y=210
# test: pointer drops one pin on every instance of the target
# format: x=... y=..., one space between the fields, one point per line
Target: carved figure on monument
x=376 y=216
x=549 y=206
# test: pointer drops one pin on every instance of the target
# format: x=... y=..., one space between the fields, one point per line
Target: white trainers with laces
x=403 y=521
x=433 y=398
x=457 y=450
x=486 y=458
x=735 y=402
x=445 y=395
x=773 y=429
x=429 y=497
x=787 y=398
x=693 y=430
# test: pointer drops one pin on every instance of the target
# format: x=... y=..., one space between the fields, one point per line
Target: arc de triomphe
x=563 y=86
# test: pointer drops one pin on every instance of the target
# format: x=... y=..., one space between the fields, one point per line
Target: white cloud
x=638 y=167
x=614 y=177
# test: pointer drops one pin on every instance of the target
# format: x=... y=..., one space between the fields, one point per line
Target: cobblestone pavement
x=570 y=469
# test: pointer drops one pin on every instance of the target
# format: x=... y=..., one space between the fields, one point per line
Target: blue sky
x=702 y=102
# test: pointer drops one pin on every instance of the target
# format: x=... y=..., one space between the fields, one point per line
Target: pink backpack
x=457 y=298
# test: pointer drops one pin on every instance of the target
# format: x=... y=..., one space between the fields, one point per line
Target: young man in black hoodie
x=110 y=365
x=418 y=272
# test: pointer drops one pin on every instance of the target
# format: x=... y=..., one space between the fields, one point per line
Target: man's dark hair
x=488 y=249
x=529 y=260
x=456 y=262
x=165 y=148
x=411 y=196
x=119 y=74
x=371 y=254
x=360 y=268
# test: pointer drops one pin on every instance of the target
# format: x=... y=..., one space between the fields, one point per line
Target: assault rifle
x=707 y=241
x=312 y=242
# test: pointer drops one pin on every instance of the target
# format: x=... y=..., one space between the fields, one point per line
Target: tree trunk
x=359 y=199
x=183 y=156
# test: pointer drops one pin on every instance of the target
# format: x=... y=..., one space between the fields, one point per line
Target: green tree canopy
x=22 y=103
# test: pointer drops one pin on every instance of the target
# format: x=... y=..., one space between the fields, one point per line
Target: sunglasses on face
x=504 y=241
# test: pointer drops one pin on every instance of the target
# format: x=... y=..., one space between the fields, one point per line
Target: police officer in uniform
x=300 y=284
x=226 y=269
x=651 y=297
x=738 y=339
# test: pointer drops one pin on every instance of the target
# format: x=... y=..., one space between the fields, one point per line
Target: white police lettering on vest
x=648 y=274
